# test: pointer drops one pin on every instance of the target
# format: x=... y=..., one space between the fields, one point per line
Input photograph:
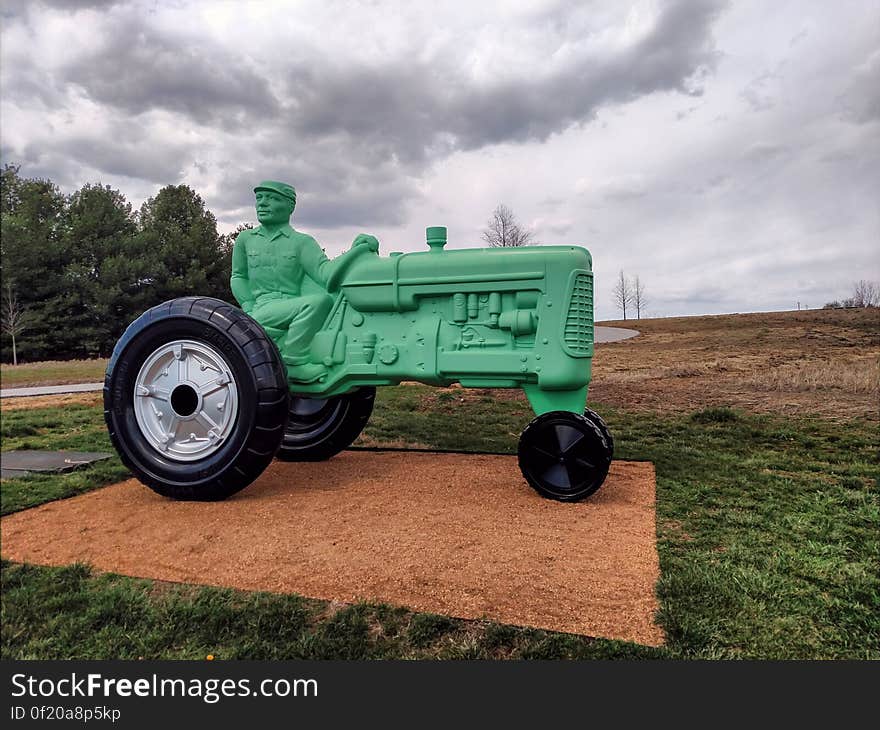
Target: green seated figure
x=268 y=266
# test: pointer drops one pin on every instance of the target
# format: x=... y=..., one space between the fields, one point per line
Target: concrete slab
x=21 y=463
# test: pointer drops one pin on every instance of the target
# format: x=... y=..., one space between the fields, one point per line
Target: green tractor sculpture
x=200 y=396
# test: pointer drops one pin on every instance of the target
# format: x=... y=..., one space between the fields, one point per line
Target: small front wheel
x=602 y=426
x=195 y=399
x=565 y=456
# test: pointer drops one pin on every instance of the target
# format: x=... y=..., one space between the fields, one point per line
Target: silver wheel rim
x=185 y=400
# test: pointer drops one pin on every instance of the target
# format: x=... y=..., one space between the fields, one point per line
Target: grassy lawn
x=767 y=535
x=75 y=427
x=59 y=613
x=52 y=373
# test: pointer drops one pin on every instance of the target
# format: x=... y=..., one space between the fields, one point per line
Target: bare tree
x=639 y=300
x=622 y=293
x=504 y=231
x=866 y=294
x=14 y=318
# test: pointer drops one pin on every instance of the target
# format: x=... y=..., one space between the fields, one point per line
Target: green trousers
x=301 y=316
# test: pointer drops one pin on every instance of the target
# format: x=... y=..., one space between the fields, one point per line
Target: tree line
x=77 y=269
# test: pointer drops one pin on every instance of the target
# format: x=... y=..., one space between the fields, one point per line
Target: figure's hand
x=362 y=245
x=365 y=239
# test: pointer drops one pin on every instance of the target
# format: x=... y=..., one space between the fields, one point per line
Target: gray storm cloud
x=136 y=69
x=415 y=109
x=697 y=143
x=862 y=98
x=343 y=127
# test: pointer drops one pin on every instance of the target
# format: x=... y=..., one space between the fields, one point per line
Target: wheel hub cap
x=561 y=457
x=185 y=400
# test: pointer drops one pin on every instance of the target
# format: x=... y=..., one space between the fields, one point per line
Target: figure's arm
x=239 y=282
x=314 y=261
x=320 y=268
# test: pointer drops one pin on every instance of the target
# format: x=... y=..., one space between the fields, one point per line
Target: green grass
x=60 y=613
x=439 y=419
x=75 y=427
x=768 y=535
x=52 y=372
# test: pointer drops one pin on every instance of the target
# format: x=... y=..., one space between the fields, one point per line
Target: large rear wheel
x=195 y=399
x=318 y=428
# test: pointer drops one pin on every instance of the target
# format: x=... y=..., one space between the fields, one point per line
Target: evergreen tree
x=190 y=252
x=80 y=269
x=99 y=225
x=34 y=258
x=224 y=264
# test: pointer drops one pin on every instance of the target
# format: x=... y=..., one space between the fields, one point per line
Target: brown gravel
x=458 y=535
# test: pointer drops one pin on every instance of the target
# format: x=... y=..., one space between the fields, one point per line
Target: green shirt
x=264 y=267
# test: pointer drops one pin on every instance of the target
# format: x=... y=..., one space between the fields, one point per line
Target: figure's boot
x=303 y=372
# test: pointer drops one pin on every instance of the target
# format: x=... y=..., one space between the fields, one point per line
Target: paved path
x=601 y=334
x=50 y=390
x=612 y=334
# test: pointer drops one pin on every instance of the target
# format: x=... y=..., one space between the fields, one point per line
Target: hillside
x=823 y=362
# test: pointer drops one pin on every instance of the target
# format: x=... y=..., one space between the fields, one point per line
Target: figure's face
x=272 y=208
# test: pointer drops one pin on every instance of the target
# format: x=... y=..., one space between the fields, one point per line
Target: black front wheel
x=565 y=456
x=318 y=428
x=196 y=399
x=595 y=418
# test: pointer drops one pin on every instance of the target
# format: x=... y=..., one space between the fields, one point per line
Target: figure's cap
x=281 y=188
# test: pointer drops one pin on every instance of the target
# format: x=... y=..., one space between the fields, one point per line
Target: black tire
x=259 y=386
x=565 y=456
x=603 y=427
x=318 y=428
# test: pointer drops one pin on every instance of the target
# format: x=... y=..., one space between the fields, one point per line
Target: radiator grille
x=577 y=335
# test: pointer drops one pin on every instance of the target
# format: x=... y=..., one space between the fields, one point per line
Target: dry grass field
x=52 y=372
x=822 y=362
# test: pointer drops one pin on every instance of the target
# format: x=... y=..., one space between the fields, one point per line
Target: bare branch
x=866 y=294
x=13 y=318
x=639 y=300
x=622 y=293
x=504 y=231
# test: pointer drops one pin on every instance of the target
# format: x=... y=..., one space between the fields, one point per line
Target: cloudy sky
x=727 y=153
